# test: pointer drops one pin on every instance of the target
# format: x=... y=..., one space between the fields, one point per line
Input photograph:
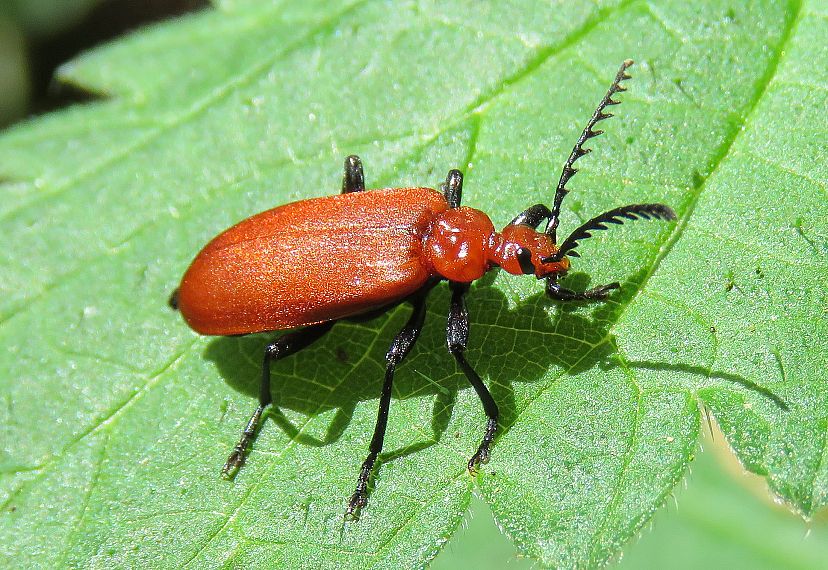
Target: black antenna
x=616 y=216
x=578 y=150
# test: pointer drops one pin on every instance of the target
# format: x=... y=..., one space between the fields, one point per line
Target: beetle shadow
x=338 y=371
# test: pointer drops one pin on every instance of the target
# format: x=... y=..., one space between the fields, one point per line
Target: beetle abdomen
x=311 y=261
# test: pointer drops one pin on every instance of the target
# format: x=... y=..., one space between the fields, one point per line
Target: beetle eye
x=524 y=257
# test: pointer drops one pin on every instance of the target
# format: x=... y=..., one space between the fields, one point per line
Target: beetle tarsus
x=482 y=455
x=599 y=293
x=237 y=456
x=360 y=497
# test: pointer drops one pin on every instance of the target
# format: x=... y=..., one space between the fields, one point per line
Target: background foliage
x=116 y=417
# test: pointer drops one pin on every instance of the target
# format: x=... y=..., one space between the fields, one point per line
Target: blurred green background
x=27 y=30
x=720 y=518
x=36 y=36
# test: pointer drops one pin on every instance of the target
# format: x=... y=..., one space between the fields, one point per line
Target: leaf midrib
x=674 y=236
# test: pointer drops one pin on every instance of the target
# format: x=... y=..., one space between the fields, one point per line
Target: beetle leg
x=453 y=188
x=555 y=291
x=283 y=346
x=532 y=216
x=353 y=179
x=400 y=347
x=457 y=336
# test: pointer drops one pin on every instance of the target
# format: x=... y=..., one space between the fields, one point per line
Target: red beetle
x=313 y=262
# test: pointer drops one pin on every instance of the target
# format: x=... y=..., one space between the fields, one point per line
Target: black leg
x=283 y=346
x=532 y=216
x=400 y=347
x=453 y=188
x=457 y=336
x=555 y=291
x=353 y=180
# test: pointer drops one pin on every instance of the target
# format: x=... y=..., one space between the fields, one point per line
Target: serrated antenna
x=615 y=216
x=578 y=150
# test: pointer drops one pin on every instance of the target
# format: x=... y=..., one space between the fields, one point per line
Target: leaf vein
x=629 y=454
x=107 y=420
x=719 y=158
x=72 y=539
x=789 y=170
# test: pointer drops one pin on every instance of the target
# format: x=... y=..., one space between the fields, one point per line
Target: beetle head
x=521 y=250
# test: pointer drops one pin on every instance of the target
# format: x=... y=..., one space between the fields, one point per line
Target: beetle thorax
x=462 y=245
x=459 y=243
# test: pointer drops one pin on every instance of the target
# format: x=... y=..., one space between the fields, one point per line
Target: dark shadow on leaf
x=346 y=366
x=727 y=377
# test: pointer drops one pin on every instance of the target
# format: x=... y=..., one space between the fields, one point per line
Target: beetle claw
x=355 y=505
x=233 y=464
x=601 y=292
x=478 y=459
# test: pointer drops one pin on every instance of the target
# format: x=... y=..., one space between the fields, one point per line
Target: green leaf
x=719 y=518
x=718 y=521
x=117 y=418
